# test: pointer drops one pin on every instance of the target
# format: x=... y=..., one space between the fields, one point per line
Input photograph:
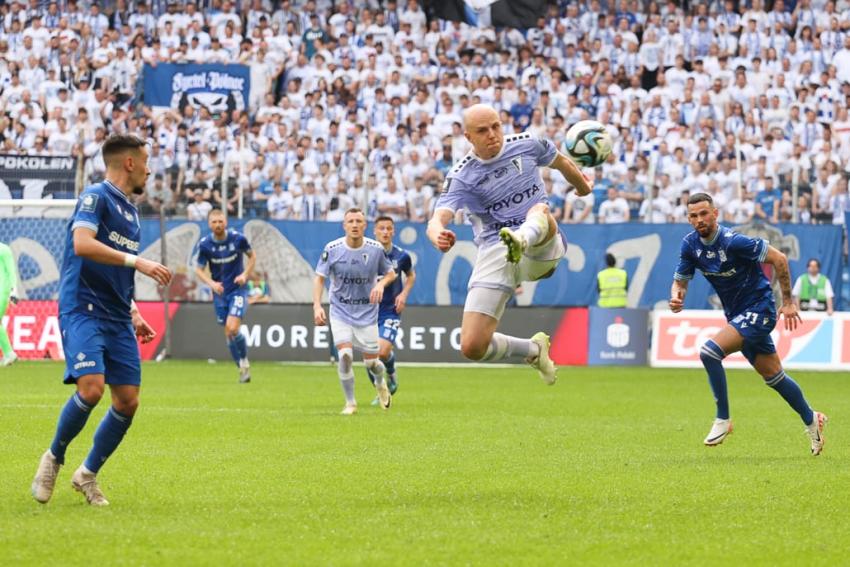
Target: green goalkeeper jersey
x=8 y=273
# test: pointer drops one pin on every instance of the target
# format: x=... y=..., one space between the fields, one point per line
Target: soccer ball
x=588 y=143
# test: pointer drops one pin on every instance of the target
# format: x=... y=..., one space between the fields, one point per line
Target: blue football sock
x=390 y=364
x=234 y=350
x=711 y=356
x=108 y=436
x=71 y=421
x=241 y=345
x=791 y=393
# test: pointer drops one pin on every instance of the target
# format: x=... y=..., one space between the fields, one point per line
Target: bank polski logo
x=618 y=333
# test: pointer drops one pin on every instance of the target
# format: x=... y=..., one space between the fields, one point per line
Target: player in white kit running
x=499 y=184
x=359 y=270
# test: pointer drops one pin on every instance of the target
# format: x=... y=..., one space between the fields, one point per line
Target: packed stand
x=362 y=103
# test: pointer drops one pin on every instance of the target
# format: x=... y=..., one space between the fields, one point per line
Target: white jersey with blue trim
x=353 y=273
x=500 y=191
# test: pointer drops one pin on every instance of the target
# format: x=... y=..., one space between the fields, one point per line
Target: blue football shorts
x=755 y=325
x=100 y=346
x=233 y=304
x=388 y=326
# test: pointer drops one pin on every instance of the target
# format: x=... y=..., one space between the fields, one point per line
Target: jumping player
x=97 y=317
x=731 y=264
x=499 y=184
x=223 y=250
x=394 y=301
x=354 y=263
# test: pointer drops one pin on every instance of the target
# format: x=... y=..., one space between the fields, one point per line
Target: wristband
x=130 y=260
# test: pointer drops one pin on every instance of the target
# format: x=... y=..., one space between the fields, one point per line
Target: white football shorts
x=493 y=272
x=364 y=339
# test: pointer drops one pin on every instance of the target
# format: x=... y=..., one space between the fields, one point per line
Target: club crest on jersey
x=722 y=255
x=517 y=163
x=365 y=257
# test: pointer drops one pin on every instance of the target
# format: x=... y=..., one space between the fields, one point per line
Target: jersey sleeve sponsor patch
x=89 y=203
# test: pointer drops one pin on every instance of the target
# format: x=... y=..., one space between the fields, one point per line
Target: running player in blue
x=731 y=263
x=500 y=186
x=394 y=301
x=359 y=272
x=223 y=250
x=97 y=317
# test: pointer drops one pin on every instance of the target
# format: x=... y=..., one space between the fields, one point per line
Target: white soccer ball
x=588 y=143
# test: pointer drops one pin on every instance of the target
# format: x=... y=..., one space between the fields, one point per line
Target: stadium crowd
x=361 y=102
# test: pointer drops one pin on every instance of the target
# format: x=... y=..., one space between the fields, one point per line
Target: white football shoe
x=544 y=365
x=9 y=360
x=815 y=432
x=720 y=430
x=384 y=396
x=349 y=409
x=45 y=477
x=244 y=371
x=85 y=481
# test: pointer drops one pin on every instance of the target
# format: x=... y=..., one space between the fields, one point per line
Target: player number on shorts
x=238 y=301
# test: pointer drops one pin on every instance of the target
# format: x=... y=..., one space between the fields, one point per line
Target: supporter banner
x=287 y=332
x=37 y=177
x=287 y=252
x=219 y=88
x=618 y=336
x=820 y=343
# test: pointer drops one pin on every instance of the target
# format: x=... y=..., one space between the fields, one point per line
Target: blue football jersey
x=402 y=264
x=731 y=264
x=353 y=273
x=85 y=286
x=224 y=257
x=499 y=192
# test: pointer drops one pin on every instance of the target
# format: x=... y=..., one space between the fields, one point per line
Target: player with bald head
x=499 y=185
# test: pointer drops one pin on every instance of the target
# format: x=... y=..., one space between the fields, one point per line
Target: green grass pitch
x=471 y=466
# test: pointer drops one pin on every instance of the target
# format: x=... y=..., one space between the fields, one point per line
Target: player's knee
x=769 y=370
x=127 y=407
x=473 y=349
x=710 y=352
x=91 y=393
x=384 y=351
x=231 y=330
x=346 y=360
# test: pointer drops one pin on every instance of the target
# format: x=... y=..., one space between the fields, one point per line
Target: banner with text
x=36 y=177
x=821 y=342
x=218 y=88
x=287 y=253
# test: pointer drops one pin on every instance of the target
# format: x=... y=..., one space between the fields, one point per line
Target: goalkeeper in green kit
x=8 y=279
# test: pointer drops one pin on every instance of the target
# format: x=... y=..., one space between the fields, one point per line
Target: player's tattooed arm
x=319 y=317
x=572 y=174
x=677 y=295
x=783 y=275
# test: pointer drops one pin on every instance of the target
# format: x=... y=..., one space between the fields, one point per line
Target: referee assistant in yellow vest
x=612 y=284
x=813 y=291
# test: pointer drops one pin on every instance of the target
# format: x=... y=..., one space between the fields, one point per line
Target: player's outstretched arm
x=783 y=275
x=319 y=317
x=572 y=174
x=677 y=295
x=441 y=237
x=87 y=246
x=216 y=287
